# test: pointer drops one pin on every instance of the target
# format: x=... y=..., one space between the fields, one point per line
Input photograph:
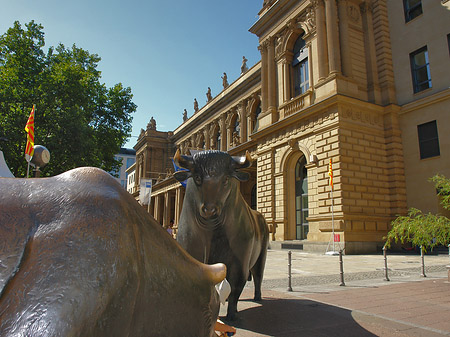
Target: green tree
x=424 y=230
x=79 y=119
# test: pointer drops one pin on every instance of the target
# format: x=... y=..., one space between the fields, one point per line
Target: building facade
x=127 y=157
x=330 y=85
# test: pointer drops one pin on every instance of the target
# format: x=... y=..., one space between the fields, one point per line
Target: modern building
x=341 y=81
x=128 y=158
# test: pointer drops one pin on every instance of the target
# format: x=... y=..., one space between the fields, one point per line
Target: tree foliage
x=424 y=230
x=79 y=119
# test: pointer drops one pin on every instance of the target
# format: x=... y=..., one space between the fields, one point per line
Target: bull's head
x=213 y=173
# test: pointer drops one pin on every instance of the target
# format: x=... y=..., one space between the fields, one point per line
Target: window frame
x=300 y=67
x=425 y=140
x=416 y=70
x=409 y=10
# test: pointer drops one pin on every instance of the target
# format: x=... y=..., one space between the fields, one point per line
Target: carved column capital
x=366 y=6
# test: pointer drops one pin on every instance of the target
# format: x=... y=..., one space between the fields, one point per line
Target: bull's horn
x=183 y=161
x=215 y=272
x=243 y=162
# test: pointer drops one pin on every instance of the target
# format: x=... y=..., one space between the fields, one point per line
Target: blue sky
x=168 y=52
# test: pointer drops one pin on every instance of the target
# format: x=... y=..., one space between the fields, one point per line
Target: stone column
x=206 y=137
x=272 y=81
x=242 y=110
x=344 y=38
x=286 y=65
x=223 y=133
x=178 y=205
x=322 y=53
x=166 y=209
x=156 y=214
x=371 y=57
x=334 y=53
x=264 y=76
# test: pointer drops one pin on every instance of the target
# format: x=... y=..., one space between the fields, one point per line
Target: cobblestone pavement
x=368 y=305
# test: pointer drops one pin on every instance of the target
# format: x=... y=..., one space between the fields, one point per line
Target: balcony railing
x=296 y=104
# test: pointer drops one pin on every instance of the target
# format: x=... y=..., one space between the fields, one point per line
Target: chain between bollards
x=341 y=264
x=386 y=277
x=289 y=271
x=423 y=263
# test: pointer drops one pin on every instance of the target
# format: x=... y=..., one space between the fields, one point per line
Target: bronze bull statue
x=217 y=225
x=80 y=257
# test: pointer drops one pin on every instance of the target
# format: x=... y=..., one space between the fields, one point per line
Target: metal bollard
x=289 y=270
x=423 y=263
x=341 y=263
x=448 y=250
x=386 y=277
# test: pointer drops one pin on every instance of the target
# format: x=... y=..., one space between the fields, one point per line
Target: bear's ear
x=182 y=175
x=241 y=176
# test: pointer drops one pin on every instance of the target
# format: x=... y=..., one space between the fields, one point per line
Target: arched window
x=301 y=199
x=300 y=67
x=237 y=127
x=218 y=139
x=255 y=119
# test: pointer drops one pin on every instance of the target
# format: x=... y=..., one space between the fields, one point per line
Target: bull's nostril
x=209 y=211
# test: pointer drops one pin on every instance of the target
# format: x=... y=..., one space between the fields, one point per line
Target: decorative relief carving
x=295 y=129
x=353 y=13
x=254 y=100
x=362 y=116
x=310 y=19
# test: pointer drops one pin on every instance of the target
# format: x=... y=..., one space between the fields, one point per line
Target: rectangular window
x=301 y=72
x=428 y=140
x=413 y=8
x=420 y=69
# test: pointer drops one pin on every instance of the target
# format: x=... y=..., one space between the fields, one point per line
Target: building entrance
x=301 y=199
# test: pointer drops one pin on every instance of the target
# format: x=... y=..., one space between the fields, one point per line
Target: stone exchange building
x=364 y=83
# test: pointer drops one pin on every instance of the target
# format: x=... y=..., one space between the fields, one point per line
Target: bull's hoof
x=257 y=296
x=231 y=317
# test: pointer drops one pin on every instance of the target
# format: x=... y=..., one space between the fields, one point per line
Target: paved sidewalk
x=407 y=305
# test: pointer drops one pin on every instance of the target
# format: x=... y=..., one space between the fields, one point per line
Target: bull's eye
x=226 y=181
x=197 y=179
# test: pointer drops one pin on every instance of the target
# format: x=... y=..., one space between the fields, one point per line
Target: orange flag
x=29 y=128
x=330 y=173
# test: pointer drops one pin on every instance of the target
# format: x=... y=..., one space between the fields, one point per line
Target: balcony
x=295 y=105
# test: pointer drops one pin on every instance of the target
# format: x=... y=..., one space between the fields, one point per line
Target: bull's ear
x=182 y=175
x=183 y=161
x=242 y=162
x=241 y=176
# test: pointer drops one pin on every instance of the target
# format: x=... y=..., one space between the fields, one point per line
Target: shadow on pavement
x=294 y=317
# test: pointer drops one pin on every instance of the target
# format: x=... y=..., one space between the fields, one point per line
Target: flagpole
x=332 y=216
x=28 y=169
x=330 y=173
x=29 y=148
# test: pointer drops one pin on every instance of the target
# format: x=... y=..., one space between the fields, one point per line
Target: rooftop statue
x=185 y=118
x=225 y=81
x=80 y=257
x=217 y=225
x=195 y=105
x=208 y=95
x=152 y=124
x=244 y=67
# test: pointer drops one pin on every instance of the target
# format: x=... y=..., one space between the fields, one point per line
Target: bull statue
x=80 y=257
x=217 y=225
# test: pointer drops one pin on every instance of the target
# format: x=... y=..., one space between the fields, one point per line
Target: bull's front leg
x=257 y=273
x=237 y=281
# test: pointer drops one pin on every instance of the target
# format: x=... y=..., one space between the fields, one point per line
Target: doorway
x=301 y=199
